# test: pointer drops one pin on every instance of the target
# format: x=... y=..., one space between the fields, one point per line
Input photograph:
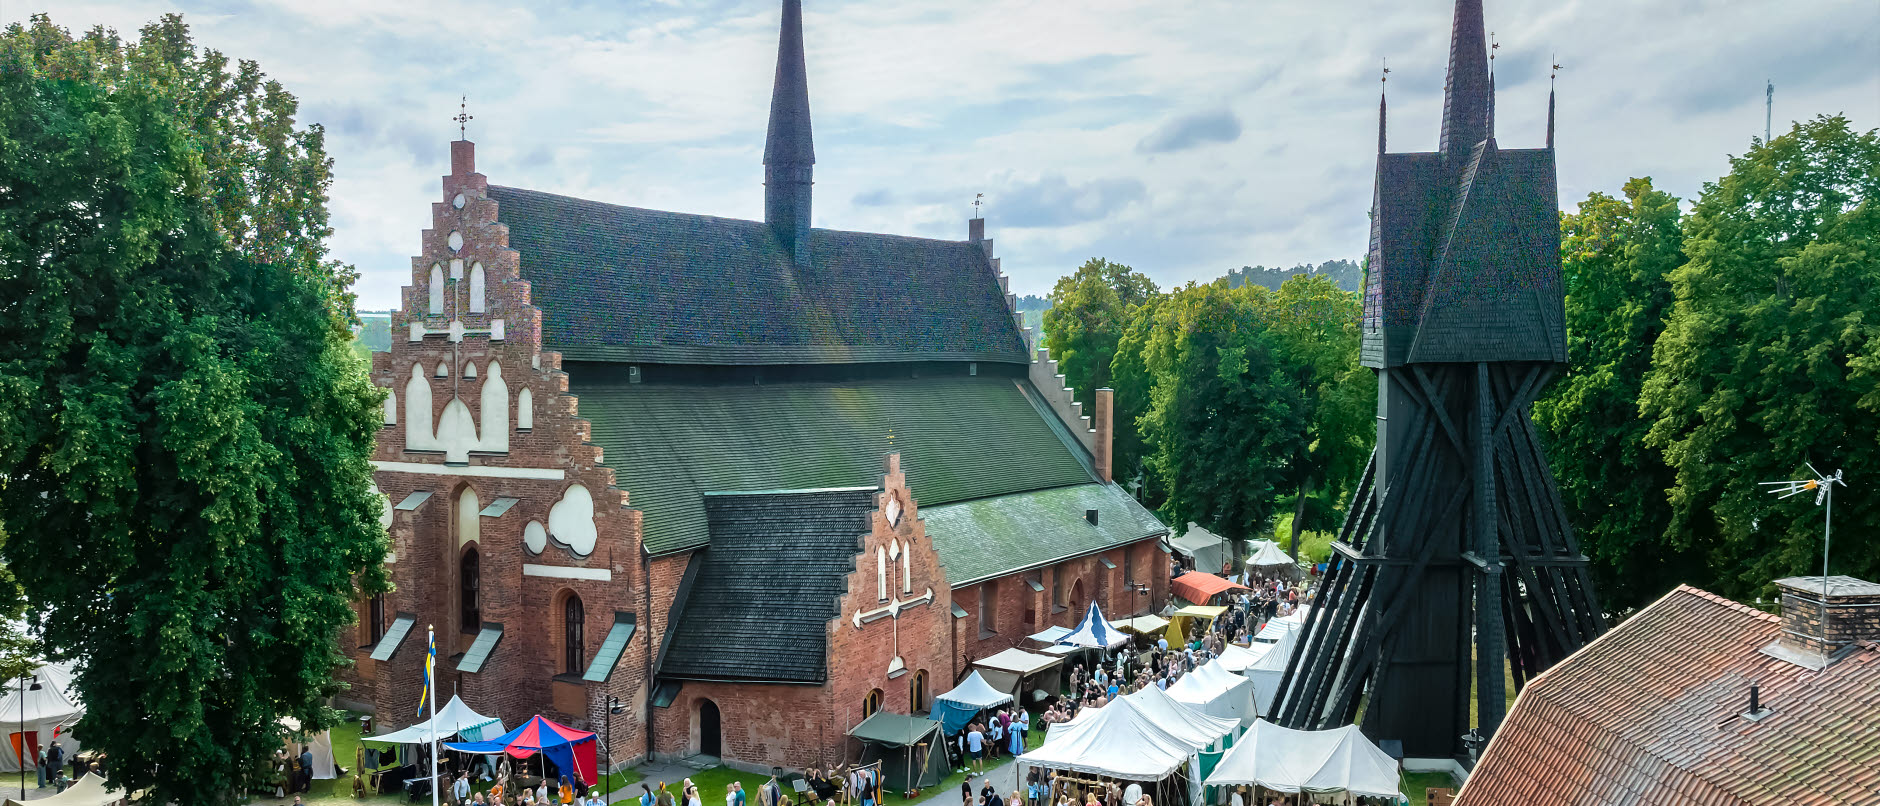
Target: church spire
x=1550 y=118
x=789 y=155
x=1465 y=98
x=1383 y=83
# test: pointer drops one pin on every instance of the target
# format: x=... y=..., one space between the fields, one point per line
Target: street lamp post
x=21 y=755
x=614 y=708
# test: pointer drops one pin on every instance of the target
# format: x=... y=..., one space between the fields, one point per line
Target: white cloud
x=918 y=106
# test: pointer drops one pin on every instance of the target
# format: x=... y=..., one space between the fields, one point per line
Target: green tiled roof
x=993 y=536
x=627 y=284
x=960 y=438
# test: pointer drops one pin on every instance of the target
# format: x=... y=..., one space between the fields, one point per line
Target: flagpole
x=430 y=681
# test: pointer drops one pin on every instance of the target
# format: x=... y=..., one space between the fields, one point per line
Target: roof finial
x=1551 y=75
x=1490 y=115
x=463 y=116
x=1383 y=81
x=978 y=199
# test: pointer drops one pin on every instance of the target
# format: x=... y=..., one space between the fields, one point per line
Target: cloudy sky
x=1183 y=137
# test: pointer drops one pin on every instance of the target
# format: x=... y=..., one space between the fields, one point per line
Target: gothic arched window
x=469 y=580
x=574 y=649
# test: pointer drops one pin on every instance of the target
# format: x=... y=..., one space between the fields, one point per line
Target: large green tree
x=1617 y=255
x=1090 y=309
x=1770 y=358
x=1224 y=418
x=1316 y=327
x=184 y=432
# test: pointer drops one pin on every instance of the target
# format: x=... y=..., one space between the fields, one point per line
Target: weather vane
x=463 y=116
x=1822 y=485
x=1555 y=73
x=978 y=199
x=1386 y=76
x=1492 y=46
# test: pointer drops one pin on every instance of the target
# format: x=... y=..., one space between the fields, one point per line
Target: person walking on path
x=976 y=744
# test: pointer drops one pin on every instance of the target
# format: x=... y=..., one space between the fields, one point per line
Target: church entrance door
x=710 y=733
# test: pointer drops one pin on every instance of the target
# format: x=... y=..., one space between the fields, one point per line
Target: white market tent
x=40 y=714
x=1050 y=635
x=1006 y=670
x=1313 y=761
x=1185 y=721
x=454 y=719
x=319 y=744
x=1094 y=632
x=1117 y=740
x=974 y=691
x=1217 y=692
x=1265 y=673
x=1209 y=550
x=88 y=790
x=1236 y=658
x=1268 y=554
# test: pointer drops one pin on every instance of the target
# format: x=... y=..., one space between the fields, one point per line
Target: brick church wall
x=520 y=585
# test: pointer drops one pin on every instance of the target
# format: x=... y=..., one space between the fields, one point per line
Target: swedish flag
x=430 y=660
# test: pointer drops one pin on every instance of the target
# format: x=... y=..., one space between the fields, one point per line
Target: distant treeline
x=1343 y=273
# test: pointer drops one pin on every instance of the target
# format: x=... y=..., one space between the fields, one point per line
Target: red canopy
x=1198 y=587
x=571 y=750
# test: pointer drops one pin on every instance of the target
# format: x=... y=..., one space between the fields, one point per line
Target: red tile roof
x=1650 y=713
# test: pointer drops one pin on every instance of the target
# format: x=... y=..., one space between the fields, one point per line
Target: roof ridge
x=1726 y=602
x=728 y=219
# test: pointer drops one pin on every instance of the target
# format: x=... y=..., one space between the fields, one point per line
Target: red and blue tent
x=571 y=750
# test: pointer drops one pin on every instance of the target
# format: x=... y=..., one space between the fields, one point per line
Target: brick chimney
x=1851 y=610
x=1106 y=406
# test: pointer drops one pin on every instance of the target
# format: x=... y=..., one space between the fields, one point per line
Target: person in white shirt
x=1133 y=793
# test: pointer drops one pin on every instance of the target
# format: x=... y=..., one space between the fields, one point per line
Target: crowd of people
x=1001 y=733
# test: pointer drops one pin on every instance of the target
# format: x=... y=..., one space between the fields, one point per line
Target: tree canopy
x=184 y=432
x=1770 y=358
x=1089 y=310
x=1617 y=258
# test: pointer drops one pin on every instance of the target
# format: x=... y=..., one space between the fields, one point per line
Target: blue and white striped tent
x=1094 y=632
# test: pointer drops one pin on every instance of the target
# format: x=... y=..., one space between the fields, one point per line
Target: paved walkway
x=1004 y=779
x=671 y=772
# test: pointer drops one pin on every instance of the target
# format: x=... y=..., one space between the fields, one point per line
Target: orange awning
x=1198 y=587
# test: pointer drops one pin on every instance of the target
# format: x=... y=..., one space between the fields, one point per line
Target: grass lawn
x=1415 y=785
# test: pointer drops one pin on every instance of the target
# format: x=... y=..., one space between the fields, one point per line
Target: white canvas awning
x=1265 y=673
x=1209 y=550
x=1268 y=554
x=1185 y=721
x=454 y=719
x=1217 y=692
x=1050 y=635
x=1236 y=658
x=41 y=713
x=88 y=790
x=319 y=744
x=1142 y=625
x=975 y=694
x=1117 y=740
x=1314 y=761
x=1019 y=662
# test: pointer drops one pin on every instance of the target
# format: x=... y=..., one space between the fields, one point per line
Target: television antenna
x=1822 y=485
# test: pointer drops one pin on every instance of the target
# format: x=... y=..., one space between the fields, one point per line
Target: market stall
x=1008 y=671
x=319 y=743
x=1237 y=658
x=1266 y=673
x=1119 y=741
x=1196 y=587
x=86 y=791
x=1094 y=632
x=1205 y=550
x=1198 y=615
x=1269 y=561
x=568 y=749
x=956 y=708
x=1141 y=625
x=911 y=751
x=38 y=709
x=454 y=721
x=1217 y=692
x=1338 y=761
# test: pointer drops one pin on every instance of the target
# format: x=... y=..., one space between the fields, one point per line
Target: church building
x=721 y=487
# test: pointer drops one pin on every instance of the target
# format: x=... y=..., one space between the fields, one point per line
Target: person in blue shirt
x=976 y=747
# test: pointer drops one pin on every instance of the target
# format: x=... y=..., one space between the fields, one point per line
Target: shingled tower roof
x=789 y=152
x=1466 y=95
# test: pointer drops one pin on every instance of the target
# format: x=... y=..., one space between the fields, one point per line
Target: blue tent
x=1094 y=632
x=957 y=707
x=571 y=750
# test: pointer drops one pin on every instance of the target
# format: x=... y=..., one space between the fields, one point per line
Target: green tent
x=912 y=750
